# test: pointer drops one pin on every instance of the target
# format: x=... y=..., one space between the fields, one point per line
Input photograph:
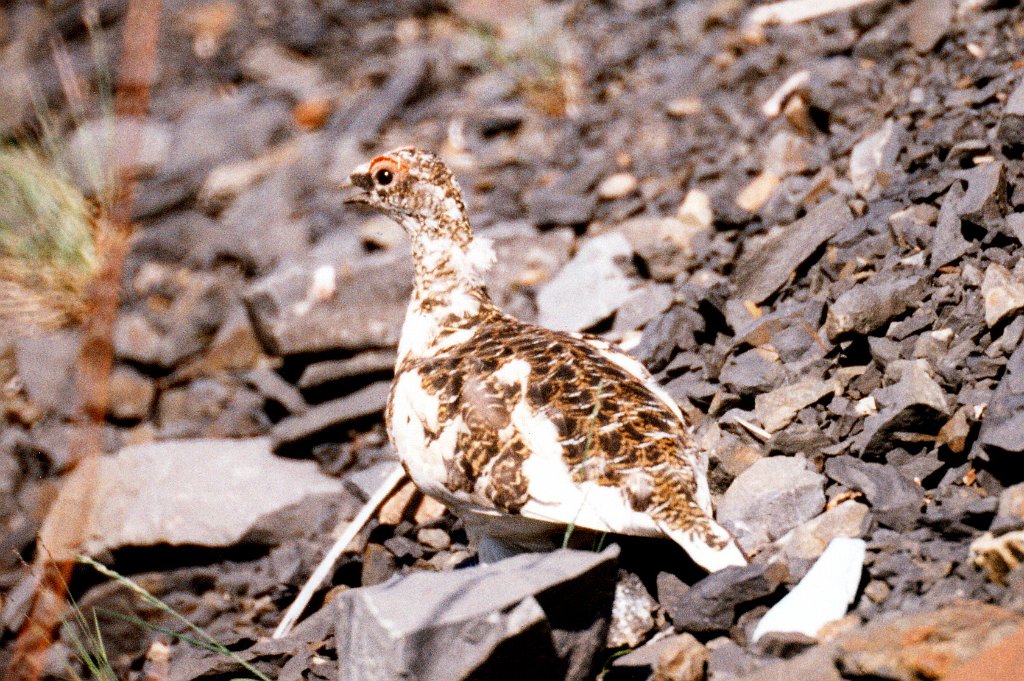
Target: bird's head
x=413 y=187
x=417 y=190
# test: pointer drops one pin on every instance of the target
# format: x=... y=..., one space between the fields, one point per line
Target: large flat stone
x=590 y=287
x=1004 y=419
x=770 y=498
x=179 y=492
x=366 y=310
x=539 y=616
x=763 y=271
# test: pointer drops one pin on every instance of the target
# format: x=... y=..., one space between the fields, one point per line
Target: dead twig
x=291 y=616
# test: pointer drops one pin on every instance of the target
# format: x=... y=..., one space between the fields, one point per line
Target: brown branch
x=114 y=227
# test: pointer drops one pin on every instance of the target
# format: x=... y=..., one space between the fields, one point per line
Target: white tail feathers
x=702 y=552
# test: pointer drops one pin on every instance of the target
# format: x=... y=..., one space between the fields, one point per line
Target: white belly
x=413 y=412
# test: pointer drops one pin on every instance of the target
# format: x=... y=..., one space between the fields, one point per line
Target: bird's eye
x=384 y=177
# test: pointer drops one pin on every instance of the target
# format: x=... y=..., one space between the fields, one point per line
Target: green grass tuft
x=198 y=636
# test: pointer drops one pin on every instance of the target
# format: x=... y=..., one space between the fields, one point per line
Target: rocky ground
x=811 y=233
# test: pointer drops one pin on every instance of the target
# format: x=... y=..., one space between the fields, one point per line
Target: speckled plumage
x=516 y=427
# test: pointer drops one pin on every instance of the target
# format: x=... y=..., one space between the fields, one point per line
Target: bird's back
x=504 y=417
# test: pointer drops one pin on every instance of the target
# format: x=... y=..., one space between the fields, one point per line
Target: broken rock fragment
x=1002 y=292
x=1004 y=418
x=188 y=492
x=867 y=306
x=873 y=159
x=770 y=498
x=822 y=596
x=547 y=612
x=915 y=404
x=761 y=272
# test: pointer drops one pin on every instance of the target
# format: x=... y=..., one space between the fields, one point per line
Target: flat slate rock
x=536 y=616
x=365 y=402
x=868 y=306
x=365 y=363
x=948 y=244
x=366 y=310
x=915 y=404
x=762 y=272
x=770 y=498
x=710 y=605
x=895 y=499
x=1004 y=418
x=181 y=492
x=590 y=287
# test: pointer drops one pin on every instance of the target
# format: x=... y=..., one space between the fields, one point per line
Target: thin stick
x=327 y=564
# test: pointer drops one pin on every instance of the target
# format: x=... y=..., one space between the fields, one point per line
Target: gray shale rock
x=808 y=541
x=363 y=364
x=894 y=498
x=1004 y=419
x=929 y=22
x=868 y=306
x=948 y=244
x=777 y=409
x=365 y=311
x=590 y=287
x=365 y=402
x=201 y=492
x=755 y=371
x=46 y=366
x=672 y=658
x=763 y=271
x=770 y=498
x=914 y=405
x=539 y=616
x=1002 y=292
x=710 y=605
x=1011 y=127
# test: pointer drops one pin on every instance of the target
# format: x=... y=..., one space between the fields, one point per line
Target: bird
x=519 y=429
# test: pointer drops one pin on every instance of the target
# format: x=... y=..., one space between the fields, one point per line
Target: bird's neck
x=449 y=290
x=447 y=260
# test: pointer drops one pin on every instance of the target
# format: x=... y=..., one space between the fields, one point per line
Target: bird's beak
x=353 y=195
x=358 y=185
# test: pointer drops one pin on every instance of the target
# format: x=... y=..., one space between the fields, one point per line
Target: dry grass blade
x=48 y=244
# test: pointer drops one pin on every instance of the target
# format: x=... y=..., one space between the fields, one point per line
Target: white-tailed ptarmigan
x=517 y=428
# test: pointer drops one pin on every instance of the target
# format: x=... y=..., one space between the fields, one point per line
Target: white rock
x=823 y=595
x=589 y=288
x=1002 y=292
x=617 y=186
x=695 y=210
x=873 y=158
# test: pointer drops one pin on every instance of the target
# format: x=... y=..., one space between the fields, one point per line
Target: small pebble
x=695 y=210
x=434 y=537
x=617 y=186
x=683 y=106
